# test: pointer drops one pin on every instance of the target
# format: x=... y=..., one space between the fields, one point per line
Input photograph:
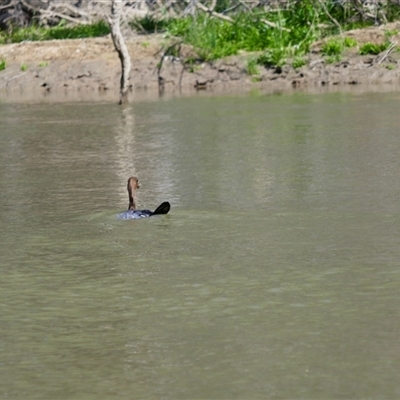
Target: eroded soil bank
x=89 y=69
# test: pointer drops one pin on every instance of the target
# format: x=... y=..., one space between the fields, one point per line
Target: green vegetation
x=252 y=68
x=277 y=34
x=61 y=31
x=2 y=65
x=373 y=48
x=298 y=62
x=334 y=58
x=274 y=57
x=24 y=67
x=43 y=64
x=333 y=48
x=283 y=33
x=149 y=24
x=350 y=42
x=389 y=33
x=193 y=68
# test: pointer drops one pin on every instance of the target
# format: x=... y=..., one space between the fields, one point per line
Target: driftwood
x=114 y=21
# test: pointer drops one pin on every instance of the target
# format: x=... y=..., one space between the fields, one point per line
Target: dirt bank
x=90 y=69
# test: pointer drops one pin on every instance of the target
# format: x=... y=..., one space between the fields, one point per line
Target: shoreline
x=89 y=70
x=90 y=96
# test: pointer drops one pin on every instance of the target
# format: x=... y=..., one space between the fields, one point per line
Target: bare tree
x=114 y=21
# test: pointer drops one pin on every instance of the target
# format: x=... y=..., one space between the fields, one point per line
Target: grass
x=373 y=48
x=24 y=67
x=389 y=33
x=334 y=58
x=350 y=42
x=274 y=58
x=59 y=32
x=149 y=24
x=3 y=65
x=333 y=48
x=279 y=35
x=252 y=67
x=292 y=32
x=298 y=62
x=336 y=47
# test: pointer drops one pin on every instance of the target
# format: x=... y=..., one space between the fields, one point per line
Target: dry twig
x=387 y=52
x=213 y=13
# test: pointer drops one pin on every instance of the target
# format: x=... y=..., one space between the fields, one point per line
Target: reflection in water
x=275 y=275
x=125 y=149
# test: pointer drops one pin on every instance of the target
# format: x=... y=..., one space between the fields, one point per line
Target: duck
x=132 y=212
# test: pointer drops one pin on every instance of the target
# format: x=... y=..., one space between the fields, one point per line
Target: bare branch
x=387 y=52
x=213 y=13
x=121 y=48
x=330 y=17
x=273 y=25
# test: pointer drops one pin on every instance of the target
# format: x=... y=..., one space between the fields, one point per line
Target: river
x=275 y=274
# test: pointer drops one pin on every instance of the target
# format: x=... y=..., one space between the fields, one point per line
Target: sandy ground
x=89 y=69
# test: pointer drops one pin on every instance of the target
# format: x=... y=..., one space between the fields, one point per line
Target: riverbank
x=89 y=69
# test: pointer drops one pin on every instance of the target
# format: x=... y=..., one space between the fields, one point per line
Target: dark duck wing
x=163 y=208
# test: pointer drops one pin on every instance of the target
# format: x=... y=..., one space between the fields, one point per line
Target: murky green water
x=276 y=274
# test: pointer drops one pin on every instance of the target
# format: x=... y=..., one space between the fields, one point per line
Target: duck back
x=163 y=208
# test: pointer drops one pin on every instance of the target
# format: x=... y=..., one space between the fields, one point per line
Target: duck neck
x=132 y=205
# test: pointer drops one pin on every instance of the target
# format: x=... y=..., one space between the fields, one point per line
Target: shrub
x=373 y=48
x=332 y=47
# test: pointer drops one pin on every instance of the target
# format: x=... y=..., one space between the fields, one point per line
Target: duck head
x=133 y=184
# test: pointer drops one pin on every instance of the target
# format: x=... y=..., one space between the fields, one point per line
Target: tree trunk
x=122 y=50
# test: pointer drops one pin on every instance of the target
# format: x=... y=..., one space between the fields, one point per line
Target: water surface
x=275 y=275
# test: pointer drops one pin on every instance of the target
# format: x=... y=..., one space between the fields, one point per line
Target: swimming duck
x=133 y=213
